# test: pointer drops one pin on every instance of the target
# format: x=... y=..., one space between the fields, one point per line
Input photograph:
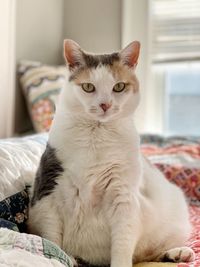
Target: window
x=176 y=63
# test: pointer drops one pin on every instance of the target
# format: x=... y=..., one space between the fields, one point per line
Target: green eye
x=119 y=87
x=88 y=87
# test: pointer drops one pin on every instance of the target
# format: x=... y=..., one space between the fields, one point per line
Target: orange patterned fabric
x=186 y=178
x=192 y=150
x=179 y=160
x=180 y=163
x=194 y=241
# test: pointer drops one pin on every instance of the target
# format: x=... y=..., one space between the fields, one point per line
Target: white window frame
x=156 y=99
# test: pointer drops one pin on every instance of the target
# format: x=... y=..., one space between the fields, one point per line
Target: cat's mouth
x=104 y=116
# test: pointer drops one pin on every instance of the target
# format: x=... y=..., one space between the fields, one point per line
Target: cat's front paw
x=182 y=254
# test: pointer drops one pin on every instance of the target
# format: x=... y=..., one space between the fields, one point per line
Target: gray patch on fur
x=75 y=73
x=49 y=170
x=93 y=61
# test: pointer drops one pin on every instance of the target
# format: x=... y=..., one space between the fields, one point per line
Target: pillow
x=19 y=159
x=41 y=85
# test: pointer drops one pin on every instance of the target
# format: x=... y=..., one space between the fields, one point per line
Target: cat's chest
x=88 y=159
x=84 y=203
x=85 y=187
x=94 y=165
x=94 y=162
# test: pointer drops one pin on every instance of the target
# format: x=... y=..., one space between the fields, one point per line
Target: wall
x=7 y=66
x=94 y=24
x=39 y=28
x=39 y=36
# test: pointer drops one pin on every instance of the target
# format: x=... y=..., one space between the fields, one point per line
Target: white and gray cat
x=95 y=195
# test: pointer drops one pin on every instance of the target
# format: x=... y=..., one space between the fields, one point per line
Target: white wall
x=94 y=24
x=7 y=66
x=39 y=30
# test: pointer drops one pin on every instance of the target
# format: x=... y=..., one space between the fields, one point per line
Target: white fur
x=110 y=204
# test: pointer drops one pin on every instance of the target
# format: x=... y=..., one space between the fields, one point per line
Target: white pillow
x=19 y=159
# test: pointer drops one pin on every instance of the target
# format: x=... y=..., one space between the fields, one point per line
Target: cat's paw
x=182 y=254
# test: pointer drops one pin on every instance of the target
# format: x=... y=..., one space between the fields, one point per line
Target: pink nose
x=105 y=106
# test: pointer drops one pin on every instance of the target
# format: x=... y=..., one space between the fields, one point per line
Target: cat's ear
x=73 y=54
x=129 y=55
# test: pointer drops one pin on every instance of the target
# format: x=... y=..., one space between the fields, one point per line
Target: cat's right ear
x=73 y=54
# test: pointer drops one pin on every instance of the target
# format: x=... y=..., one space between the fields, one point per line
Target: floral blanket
x=177 y=158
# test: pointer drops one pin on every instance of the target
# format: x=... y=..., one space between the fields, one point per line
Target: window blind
x=176 y=30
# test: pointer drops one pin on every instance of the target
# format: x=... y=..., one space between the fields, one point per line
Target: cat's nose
x=105 y=106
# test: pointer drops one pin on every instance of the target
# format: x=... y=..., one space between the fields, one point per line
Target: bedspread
x=177 y=158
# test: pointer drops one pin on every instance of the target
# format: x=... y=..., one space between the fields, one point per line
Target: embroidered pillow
x=41 y=85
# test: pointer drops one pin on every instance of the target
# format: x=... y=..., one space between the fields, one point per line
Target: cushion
x=41 y=85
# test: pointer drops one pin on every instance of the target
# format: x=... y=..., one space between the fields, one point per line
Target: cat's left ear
x=73 y=54
x=129 y=55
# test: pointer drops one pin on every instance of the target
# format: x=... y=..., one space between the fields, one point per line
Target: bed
x=177 y=157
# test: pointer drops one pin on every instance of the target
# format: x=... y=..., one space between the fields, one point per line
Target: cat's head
x=102 y=87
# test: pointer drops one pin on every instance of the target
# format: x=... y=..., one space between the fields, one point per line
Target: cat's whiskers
x=116 y=108
x=93 y=109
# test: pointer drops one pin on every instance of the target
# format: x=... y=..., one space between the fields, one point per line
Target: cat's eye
x=88 y=87
x=119 y=87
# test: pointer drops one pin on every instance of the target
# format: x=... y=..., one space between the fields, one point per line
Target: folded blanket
x=19 y=249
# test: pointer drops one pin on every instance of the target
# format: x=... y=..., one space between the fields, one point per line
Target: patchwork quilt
x=20 y=249
x=178 y=158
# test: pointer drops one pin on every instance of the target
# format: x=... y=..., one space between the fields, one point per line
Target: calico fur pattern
x=49 y=170
x=99 y=199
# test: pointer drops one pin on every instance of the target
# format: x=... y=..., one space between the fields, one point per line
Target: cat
x=95 y=195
